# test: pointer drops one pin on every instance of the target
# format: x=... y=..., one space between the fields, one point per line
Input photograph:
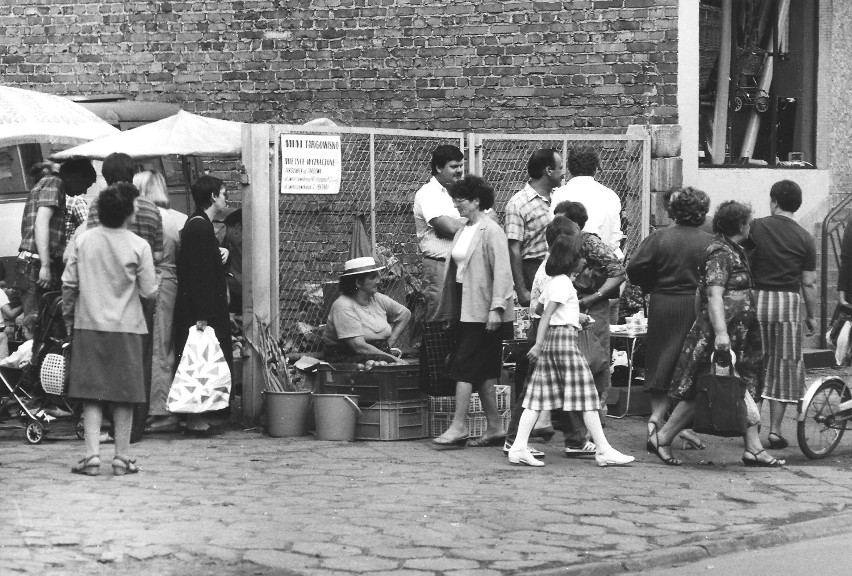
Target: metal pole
x=373 y=191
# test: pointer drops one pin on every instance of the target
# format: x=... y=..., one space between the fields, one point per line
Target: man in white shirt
x=436 y=221
x=602 y=204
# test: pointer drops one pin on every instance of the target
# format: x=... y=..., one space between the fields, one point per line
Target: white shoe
x=538 y=454
x=523 y=456
x=612 y=457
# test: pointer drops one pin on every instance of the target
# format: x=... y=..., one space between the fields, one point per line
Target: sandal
x=87 y=467
x=655 y=447
x=758 y=463
x=691 y=441
x=779 y=443
x=124 y=466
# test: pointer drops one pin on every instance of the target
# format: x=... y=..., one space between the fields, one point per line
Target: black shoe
x=205 y=432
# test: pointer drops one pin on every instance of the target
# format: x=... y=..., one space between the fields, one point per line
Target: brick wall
x=600 y=64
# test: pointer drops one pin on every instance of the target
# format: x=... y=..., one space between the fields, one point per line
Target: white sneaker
x=612 y=457
x=537 y=454
x=523 y=456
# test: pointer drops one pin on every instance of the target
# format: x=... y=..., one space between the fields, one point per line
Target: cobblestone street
x=245 y=503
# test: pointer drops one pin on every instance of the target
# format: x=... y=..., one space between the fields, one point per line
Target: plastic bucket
x=287 y=413
x=335 y=416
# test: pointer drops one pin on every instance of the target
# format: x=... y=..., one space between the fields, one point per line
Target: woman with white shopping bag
x=108 y=271
x=202 y=299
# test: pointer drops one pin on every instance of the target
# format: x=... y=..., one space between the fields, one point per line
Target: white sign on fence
x=310 y=164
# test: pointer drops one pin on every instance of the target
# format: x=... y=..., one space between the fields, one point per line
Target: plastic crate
x=476 y=423
x=394 y=383
x=393 y=421
x=447 y=404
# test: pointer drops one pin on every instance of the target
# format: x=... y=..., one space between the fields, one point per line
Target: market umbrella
x=29 y=117
x=183 y=134
x=359 y=245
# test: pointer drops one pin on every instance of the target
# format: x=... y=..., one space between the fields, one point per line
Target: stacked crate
x=392 y=405
x=442 y=408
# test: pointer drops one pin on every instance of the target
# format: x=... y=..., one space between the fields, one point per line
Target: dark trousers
x=140 y=411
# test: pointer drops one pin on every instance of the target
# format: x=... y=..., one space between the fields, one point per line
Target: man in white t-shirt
x=602 y=204
x=436 y=221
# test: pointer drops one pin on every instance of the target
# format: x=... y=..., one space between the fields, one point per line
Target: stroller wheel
x=35 y=432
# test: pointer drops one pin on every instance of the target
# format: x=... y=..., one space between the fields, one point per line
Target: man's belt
x=24 y=255
x=435 y=258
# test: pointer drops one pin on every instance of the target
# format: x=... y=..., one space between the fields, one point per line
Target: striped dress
x=561 y=377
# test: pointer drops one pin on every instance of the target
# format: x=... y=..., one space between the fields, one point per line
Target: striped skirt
x=670 y=317
x=779 y=314
x=561 y=377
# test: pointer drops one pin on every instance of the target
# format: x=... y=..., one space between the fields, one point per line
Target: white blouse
x=460 y=248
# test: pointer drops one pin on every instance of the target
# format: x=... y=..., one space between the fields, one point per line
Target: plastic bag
x=203 y=380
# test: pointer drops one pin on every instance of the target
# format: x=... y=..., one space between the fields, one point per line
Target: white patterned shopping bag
x=203 y=381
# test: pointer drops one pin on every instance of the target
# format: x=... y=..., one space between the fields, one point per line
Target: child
x=22 y=356
x=561 y=376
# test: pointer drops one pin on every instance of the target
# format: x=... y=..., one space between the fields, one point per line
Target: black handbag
x=720 y=408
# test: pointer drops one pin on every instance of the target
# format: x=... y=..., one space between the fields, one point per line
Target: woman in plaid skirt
x=561 y=377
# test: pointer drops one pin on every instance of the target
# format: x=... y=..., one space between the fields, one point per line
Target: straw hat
x=360 y=266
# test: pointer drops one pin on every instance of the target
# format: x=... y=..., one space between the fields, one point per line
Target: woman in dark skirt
x=202 y=297
x=666 y=266
x=478 y=295
x=106 y=274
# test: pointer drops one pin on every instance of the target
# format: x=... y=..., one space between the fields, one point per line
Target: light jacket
x=486 y=278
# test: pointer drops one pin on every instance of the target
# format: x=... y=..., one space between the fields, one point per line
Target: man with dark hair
x=148 y=223
x=602 y=204
x=436 y=221
x=527 y=215
x=43 y=229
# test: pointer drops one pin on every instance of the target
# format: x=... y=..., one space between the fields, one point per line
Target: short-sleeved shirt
x=430 y=202
x=527 y=216
x=782 y=251
x=76 y=213
x=540 y=281
x=561 y=290
x=49 y=192
x=602 y=205
x=724 y=265
x=349 y=319
x=148 y=224
x=667 y=261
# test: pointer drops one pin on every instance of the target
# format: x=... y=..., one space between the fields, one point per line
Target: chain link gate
x=625 y=167
x=381 y=172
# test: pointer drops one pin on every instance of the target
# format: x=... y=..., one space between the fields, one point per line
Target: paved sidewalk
x=248 y=504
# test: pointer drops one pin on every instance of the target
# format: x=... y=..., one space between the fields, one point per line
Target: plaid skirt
x=561 y=377
x=779 y=314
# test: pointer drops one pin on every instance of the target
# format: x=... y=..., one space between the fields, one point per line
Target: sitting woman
x=363 y=324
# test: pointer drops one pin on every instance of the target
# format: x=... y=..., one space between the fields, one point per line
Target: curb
x=807 y=530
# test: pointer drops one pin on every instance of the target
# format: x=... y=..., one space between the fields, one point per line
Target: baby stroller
x=32 y=398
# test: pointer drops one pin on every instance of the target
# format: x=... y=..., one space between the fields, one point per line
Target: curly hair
x=731 y=217
x=689 y=206
x=583 y=161
x=474 y=188
x=115 y=204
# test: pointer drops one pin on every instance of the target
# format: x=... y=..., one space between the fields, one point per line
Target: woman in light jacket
x=478 y=296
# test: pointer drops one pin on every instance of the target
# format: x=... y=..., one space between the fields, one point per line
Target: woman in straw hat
x=363 y=324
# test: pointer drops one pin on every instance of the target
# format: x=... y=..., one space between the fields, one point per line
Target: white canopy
x=183 y=134
x=29 y=117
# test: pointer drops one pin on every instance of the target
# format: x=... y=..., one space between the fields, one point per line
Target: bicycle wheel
x=821 y=427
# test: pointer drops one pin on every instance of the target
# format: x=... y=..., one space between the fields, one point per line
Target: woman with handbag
x=666 y=266
x=727 y=322
x=202 y=297
x=478 y=296
x=107 y=273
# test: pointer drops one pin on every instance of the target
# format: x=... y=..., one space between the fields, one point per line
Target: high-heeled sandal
x=88 y=468
x=654 y=448
x=757 y=463
x=124 y=466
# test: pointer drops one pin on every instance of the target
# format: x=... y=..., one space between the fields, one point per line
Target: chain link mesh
x=315 y=231
x=503 y=163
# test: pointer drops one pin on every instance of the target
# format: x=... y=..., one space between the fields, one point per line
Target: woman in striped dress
x=783 y=261
x=666 y=266
x=561 y=377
